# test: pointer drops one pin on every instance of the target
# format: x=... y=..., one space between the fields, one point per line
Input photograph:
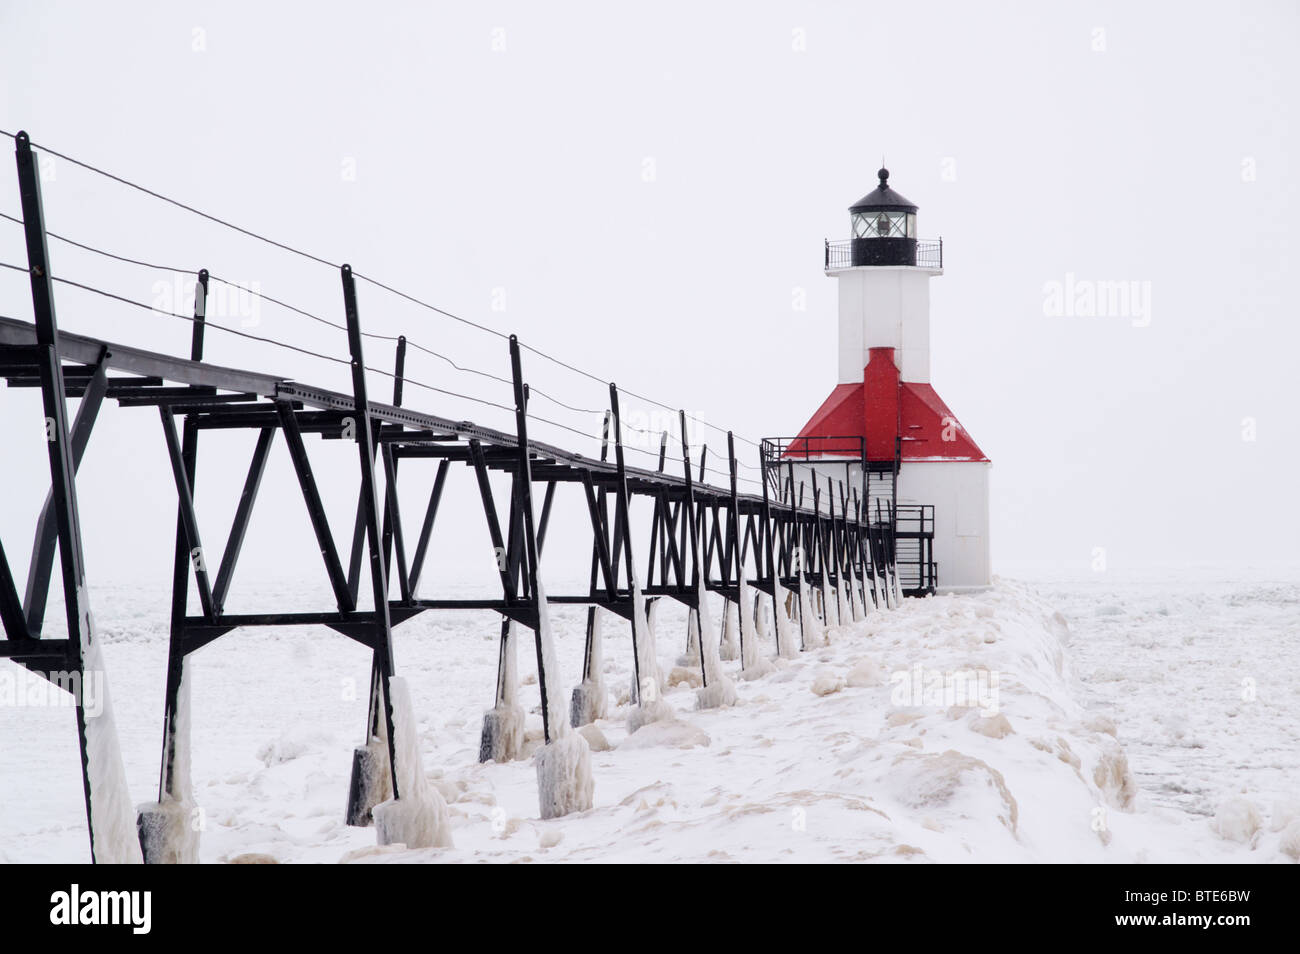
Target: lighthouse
x=883 y=430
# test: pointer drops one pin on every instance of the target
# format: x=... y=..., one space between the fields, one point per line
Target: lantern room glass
x=884 y=225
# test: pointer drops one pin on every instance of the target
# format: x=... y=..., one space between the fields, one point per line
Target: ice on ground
x=716 y=695
x=1238 y=819
x=865 y=673
x=648 y=712
x=673 y=733
x=788 y=775
x=596 y=740
x=827 y=682
x=954 y=781
x=1289 y=843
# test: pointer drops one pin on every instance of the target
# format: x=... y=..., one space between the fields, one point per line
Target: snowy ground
x=1114 y=730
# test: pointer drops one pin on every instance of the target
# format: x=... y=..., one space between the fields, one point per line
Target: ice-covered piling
x=502 y=739
x=729 y=649
x=167 y=829
x=372 y=777
x=810 y=627
x=590 y=700
x=418 y=817
x=787 y=646
x=752 y=662
x=564 y=782
x=692 y=655
x=718 y=689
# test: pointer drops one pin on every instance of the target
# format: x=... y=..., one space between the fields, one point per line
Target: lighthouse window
x=884 y=225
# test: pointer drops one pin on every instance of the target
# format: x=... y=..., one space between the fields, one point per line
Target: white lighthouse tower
x=918 y=458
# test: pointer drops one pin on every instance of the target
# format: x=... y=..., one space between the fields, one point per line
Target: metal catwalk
x=701 y=537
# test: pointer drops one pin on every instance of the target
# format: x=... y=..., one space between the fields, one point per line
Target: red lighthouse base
x=888 y=412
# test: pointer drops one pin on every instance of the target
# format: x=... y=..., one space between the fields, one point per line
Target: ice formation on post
x=729 y=650
x=167 y=830
x=787 y=647
x=417 y=818
x=718 y=690
x=650 y=640
x=810 y=627
x=112 y=822
x=564 y=782
x=857 y=610
x=843 y=615
x=752 y=663
x=503 y=725
x=829 y=618
x=692 y=655
x=647 y=700
x=760 y=617
x=590 y=701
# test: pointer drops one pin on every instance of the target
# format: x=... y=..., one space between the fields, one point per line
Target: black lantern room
x=884 y=227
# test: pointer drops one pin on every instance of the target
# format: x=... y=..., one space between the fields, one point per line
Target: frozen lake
x=1195 y=674
x=1200 y=668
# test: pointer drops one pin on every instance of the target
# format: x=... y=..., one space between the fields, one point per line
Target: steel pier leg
x=107 y=812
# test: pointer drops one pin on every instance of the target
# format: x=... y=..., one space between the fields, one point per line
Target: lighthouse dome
x=883 y=227
x=882 y=198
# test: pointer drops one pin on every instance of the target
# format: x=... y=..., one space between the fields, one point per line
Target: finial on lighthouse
x=884 y=174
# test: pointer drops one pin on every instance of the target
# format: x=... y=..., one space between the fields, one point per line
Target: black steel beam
x=392 y=530
x=382 y=629
x=11 y=610
x=29 y=650
x=426 y=531
x=531 y=548
x=235 y=541
x=508 y=583
x=42 y=561
x=62 y=469
x=182 y=461
x=315 y=508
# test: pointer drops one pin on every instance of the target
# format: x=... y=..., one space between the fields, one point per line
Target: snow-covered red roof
x=882 y=407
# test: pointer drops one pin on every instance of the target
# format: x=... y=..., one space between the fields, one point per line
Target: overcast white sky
x=644 y=190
